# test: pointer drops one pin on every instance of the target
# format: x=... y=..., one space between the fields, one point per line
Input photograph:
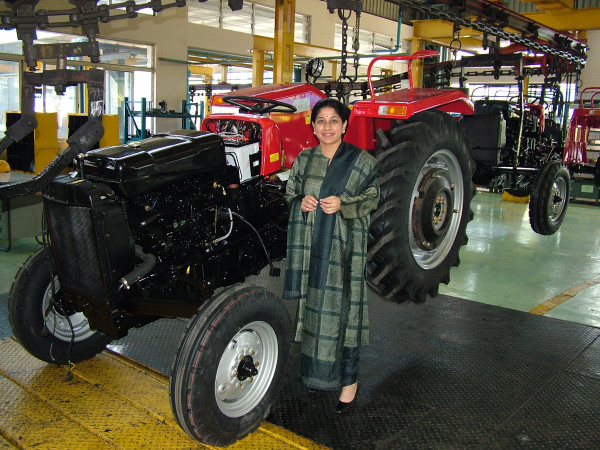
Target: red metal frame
x=582 y=120
x=592 y=99
x=410 y=58
x=293 y=132
x=402 y=104
x=583 y=91
x=287 y=133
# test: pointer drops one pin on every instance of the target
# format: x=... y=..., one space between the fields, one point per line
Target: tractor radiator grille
x=92 y=244
x=75 y=248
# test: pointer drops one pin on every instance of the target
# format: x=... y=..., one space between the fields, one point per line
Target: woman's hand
x=331 y=205
x=309 y=203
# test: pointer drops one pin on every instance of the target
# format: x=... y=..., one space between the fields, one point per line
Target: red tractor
x=520 y=152
x=516 y=138
x=426 y=187
x=170 y=226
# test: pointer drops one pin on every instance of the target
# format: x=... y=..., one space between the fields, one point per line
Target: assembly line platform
x=449 y=373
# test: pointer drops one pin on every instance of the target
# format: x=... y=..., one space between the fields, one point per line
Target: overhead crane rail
x=23 y=13
x=492 y=20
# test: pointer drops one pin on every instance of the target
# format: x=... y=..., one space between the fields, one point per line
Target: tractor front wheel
x=549 y=198
x=230 y=365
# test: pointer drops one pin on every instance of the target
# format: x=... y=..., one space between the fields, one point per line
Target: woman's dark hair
x=342 y=110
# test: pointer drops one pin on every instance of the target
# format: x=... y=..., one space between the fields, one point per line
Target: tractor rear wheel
x=426 y=191
x=549 y=198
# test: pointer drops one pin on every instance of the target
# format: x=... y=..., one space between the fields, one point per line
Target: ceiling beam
x=575 y=20
x=201 y=70
x=267 y=44
x=546 y=5
x=440 y=32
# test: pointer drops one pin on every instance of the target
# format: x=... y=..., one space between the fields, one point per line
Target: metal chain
x=344 y=60
x=356 y=44
x=82 y=15
x=488 y=28
x=343 y=91
x=455 y=44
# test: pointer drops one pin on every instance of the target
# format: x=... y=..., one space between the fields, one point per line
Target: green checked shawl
x=326 y=256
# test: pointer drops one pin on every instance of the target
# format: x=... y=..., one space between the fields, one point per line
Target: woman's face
x=328 y=126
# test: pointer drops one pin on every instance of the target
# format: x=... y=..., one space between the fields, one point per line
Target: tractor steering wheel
x=258 y=105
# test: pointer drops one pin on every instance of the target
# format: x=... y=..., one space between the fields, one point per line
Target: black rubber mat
x=154 y=345
x=457 y=374
x=449 y=373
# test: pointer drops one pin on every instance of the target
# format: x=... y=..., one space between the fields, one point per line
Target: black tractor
x=153 y=229
x=517 y=147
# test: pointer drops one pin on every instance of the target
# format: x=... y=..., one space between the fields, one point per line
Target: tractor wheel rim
x=238 y=388
x=445 y=164
x=558 y=199
x=72 y=327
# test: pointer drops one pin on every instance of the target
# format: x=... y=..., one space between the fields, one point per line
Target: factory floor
x=507 y=356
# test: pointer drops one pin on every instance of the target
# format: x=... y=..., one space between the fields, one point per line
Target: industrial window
x=9 y=89
x=383 y=42
x=370 y=42
x=137 y=2
x=118 y=84
x=251 y=19
x=125 y=54
x=206 y=13
x=111 y=52
x=127 y=66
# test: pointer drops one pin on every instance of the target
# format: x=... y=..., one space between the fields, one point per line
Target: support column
x=258 y=67
x=207 y=73
x=224 y=73
x=283 y=63
x=417 y=64
x=387 y=73
x=334 y=70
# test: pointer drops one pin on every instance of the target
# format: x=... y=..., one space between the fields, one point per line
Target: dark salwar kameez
x=325 y=265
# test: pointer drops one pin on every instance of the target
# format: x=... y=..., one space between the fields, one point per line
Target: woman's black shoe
x=343 y=407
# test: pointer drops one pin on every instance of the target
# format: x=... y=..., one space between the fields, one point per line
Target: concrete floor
x=504 y=264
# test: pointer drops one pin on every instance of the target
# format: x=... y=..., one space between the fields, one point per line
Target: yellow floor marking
x=111 y=402
x=552 y=303
x=516 y=206
x=288 y=437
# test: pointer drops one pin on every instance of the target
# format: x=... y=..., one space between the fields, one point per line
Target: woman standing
x=332 y=189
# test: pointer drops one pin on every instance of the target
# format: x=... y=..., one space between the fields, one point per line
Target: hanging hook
x=455 y=44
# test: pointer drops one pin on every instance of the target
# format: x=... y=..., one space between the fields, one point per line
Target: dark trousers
x=350 y=359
